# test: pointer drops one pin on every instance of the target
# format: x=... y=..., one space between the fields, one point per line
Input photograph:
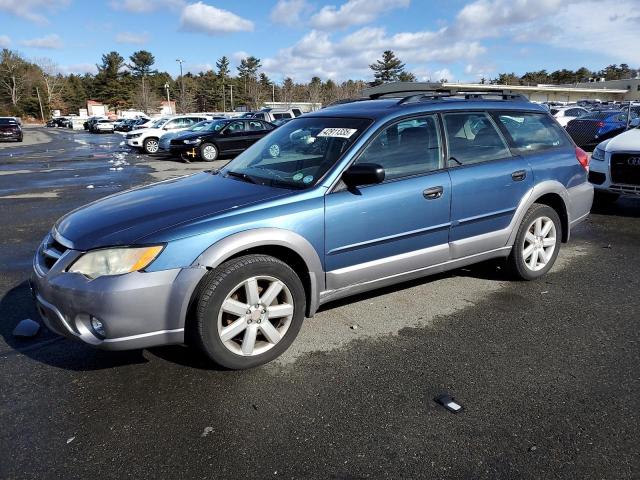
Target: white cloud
x=145 y=6
x=289 y=12
x=32 y=10
x=202 y=18
x=49 y=42
x=197 y=68
x=79 y=68
x=5 y=41
x=444 y=74
x=353 y=12
x=132 y=38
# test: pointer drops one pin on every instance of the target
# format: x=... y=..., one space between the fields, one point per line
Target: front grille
x=597 y=178
x=49 y=253
x=625 y=168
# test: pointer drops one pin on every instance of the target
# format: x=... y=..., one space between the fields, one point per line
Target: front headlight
x=193 y=141
x=114 y=261
x=598 y=154
x=135 y=135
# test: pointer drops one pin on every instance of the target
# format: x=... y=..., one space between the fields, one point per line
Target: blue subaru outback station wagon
x=340 y=201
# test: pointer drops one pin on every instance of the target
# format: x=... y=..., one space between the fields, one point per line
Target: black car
x=221 y=137
x=10 y=129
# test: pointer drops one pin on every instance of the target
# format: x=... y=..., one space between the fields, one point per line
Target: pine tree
x=223 y=68
x=388 y=69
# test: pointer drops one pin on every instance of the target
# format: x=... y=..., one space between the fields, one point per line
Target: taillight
x=583 y=158
x=600 y=124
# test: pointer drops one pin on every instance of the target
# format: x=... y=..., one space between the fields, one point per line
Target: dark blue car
x=590 y=130
x=340 y=201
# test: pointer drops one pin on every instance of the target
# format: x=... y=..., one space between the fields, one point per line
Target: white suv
x=565 y=114
x=615 y=166
x=148 y=139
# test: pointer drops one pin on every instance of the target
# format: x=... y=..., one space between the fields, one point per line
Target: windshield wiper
x=242 y=176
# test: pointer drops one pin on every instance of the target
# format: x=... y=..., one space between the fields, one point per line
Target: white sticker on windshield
x=337 y=132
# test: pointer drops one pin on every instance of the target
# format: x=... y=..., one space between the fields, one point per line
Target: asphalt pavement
x=547 y=371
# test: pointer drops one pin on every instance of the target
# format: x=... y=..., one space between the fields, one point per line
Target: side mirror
x=363 y=174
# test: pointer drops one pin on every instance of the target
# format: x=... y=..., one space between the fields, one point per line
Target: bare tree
x=13 y=75
x=51 y=78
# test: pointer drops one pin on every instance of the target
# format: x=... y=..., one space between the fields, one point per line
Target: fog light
x=97 y=327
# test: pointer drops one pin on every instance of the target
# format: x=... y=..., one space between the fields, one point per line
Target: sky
x=458 y=40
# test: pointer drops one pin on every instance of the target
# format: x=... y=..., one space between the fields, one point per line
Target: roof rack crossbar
x=441 y=93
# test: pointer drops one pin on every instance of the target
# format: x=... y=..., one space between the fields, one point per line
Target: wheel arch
x=288 y=246
x=555 y=201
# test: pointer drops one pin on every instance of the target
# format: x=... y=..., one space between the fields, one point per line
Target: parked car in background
x=273 y=114
x=103 y=126
x=61 y=122
x=233 y=260
x=148 y=139
x=221 y=137
x=88 y=124
x=590 y=130
x=615 y=166
x=165 y=139
x=10 y=129
x=565 y=114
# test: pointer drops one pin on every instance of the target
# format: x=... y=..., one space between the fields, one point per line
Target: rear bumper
x=580 y=202
x=137 y=310
x=10 y=135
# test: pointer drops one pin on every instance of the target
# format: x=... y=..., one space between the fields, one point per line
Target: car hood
x=629 y=141
x=186 y=135
x=124 y=218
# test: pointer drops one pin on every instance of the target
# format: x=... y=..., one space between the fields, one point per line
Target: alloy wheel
x=539 y=243
x=255 y=315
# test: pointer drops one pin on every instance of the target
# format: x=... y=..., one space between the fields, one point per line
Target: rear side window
x=533 y=132
x=473 y=138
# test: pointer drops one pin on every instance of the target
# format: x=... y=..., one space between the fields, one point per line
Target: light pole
x=224 y=100
x=231 y=88
x=166 y=87
x=180 y=61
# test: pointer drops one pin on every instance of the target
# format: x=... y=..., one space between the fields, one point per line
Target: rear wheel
x=150 y=145
x=537 y=243
x=208 y=152
x=248 y=312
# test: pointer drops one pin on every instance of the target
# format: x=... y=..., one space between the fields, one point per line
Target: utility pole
x=180 y=61
x=166 y=87
x=273 y=92
x=224 y=100
x=40 y=102
x=231 y=87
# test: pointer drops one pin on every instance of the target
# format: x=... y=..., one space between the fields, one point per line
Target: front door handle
x=519 y=175
x=433 y=193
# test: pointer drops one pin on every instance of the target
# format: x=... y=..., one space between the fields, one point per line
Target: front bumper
x=177 y=150
x=135 y=142
x=600 y=177
x=137 y=310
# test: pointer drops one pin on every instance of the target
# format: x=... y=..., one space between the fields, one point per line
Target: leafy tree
x=13 y=75
x=388 y=69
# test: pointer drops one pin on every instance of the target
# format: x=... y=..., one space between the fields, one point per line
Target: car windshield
x=200 y=126
x=299 y=153
x=159 y=123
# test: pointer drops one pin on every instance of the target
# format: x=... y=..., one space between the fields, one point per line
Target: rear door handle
x=433 y=193
x=519 y=175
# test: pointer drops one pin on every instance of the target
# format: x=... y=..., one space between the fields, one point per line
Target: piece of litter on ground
x=354 y=327
x=90 y=186
x=69 y=440
x=207 y=431
x=448 y=402
x=545 y=292
x=26 y=328
x=607 y=246
x=533 y=448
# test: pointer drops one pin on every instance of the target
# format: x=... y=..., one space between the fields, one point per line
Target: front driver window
x=410 y=147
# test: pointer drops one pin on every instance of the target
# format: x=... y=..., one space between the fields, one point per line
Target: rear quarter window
x=532 y=132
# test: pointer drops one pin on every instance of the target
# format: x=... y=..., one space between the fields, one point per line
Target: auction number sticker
x=337 y=132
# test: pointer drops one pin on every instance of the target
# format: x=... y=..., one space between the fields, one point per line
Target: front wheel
x=151 y=145
x=537 y=243
x=248 y=312
x=208 y=152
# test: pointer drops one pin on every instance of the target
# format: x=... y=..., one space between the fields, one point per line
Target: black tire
x=516 y=262
x=605 y=198
x=223 y=281
x=205 y=152
x=152 y=143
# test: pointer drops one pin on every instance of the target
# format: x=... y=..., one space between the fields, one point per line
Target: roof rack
x=443 y=93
